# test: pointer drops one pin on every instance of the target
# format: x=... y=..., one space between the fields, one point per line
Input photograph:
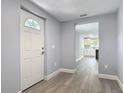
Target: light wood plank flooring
x=85 y=80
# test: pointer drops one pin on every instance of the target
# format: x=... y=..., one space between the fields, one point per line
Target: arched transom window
x=31 y=23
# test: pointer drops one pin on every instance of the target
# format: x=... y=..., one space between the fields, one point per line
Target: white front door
x=32 y=45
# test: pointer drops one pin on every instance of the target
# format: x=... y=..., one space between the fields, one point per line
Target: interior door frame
x=22 y=8
x=86 y=22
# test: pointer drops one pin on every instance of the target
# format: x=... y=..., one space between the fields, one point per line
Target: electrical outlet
x=53 y=46
x=106 y=66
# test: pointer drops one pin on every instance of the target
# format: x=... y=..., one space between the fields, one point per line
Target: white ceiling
x=91 y=29
x=65 y=10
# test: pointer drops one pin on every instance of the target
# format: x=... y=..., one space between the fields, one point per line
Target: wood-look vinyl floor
x=85 y=80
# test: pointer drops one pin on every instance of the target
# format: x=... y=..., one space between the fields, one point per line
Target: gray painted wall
x=52 y=36
x=120 y=43
x=68 y=46
x=10 y=49
x=77 y=46
x=108 y=42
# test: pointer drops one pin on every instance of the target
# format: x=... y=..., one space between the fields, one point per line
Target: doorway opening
x=87 y=41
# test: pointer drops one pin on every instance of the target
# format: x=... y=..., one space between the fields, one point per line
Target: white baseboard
x=106 y=76
x=52 y=75
x=67 y=70
x=78 y=59
x=120 y=84
x=58 y=71
x=19 y=92
x=112 y=77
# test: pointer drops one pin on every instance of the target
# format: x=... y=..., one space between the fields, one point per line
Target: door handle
x=42 y=52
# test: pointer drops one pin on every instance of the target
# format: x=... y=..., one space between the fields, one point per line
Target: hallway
x=85 y=80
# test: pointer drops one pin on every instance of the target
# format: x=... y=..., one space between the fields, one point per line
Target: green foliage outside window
x=91 y=42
